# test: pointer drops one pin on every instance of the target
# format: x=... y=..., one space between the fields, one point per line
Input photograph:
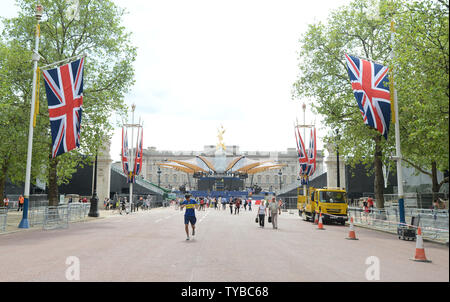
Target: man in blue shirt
x=189 y=215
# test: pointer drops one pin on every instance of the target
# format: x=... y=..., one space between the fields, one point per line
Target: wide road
x=151 y=246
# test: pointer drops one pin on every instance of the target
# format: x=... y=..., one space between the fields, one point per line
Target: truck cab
x=331 y=202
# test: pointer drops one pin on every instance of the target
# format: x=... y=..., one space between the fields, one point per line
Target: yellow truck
x=331 y=202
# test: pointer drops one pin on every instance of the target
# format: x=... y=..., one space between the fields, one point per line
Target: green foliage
x=324 y=78
x=15 y=92
x=421 y=71
x=108 y=72
x=422 y=79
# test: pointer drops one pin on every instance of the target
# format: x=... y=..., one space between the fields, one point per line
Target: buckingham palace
x=268 y=180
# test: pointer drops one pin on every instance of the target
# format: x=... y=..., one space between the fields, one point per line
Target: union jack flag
x=64 y=88
x=370 y=83
x=312 y=153
x=302 y=155
x=139 y=150
x=125 y=166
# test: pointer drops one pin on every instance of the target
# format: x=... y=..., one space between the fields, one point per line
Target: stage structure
x=132 y=158
x=220 y=172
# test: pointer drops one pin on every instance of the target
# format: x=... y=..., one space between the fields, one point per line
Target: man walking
x=273 y=208
x=280 y=204
x=21 y=200
x=231 y=206
x=189 y=215
x=6 y=202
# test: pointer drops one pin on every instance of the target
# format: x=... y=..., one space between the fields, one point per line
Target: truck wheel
x=305 y=217
x=343 y=222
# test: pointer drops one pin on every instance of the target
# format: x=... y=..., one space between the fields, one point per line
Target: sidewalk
x=14 y=218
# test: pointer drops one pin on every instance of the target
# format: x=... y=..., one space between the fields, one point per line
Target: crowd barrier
x=56 y=217
x=36 y=215
x=51 y=217
x=78 y=211
x=434 y=223
x=3 y=218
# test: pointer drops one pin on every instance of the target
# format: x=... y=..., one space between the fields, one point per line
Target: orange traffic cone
x=320 y=226
x=316 y=218
x=420 y=251
x=351 y=233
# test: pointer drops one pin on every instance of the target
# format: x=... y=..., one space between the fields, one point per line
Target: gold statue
x=220 y=136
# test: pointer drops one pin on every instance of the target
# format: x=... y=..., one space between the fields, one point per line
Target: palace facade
x=268 y=180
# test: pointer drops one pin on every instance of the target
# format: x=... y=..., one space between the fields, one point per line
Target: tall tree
x=421 y=66
x=15 y=92
x=323 y=76
x=108 y=72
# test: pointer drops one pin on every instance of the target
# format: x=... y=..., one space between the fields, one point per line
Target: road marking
x=203 y=217
x=167 y=217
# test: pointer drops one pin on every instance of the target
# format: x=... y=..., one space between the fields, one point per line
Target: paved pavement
x=151 y=246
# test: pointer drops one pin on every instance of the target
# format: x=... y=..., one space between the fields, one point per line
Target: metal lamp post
x=279 y=174
x=159 y=176
x=133 y=107
x=304 y=137
x=35 y=57
x=93 y=210
x=337 y=159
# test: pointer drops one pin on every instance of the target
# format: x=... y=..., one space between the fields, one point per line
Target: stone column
x=104 y=162
x=331 y=164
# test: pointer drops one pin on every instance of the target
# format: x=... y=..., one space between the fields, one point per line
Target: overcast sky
x=204 y=63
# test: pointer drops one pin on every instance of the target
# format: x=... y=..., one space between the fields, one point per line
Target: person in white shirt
x=262 y=213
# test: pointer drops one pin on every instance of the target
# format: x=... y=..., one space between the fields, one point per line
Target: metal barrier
x=86 y=208
x=56 y=217
x=434 y=223
x=289 y=203
x=78 y=211
x=36 y=216
x=3 y=218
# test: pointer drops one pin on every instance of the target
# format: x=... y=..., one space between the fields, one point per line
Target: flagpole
x=398 y=156
x=304 y=135
x=35 y=57
x=133 y=107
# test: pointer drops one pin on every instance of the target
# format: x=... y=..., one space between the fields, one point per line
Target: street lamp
x=35 y=57
x=93 y=210
x=159 y=176
x=279 y=174
x=337 y=158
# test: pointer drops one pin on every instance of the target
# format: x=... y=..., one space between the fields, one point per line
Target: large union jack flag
x=370 y=83
x=64 y=88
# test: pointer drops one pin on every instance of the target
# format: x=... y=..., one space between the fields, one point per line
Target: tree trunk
x=53 y=182
x=2 y=188
x=3 y=182
x=379 y=178
x=434 y=180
